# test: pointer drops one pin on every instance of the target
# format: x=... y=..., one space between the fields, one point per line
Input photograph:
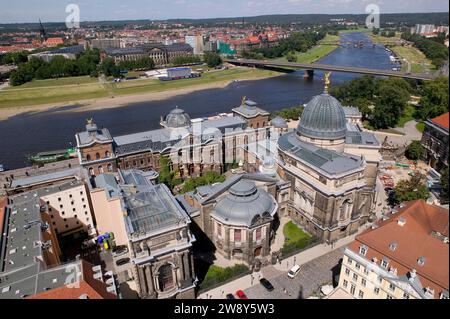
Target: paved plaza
x=312 y=276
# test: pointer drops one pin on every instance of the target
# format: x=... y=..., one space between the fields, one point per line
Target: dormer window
x=384 y=263
x=421 y=261
x=393 y=246
x=363 y=250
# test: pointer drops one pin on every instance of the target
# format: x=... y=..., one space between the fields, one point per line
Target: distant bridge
x=310 y=67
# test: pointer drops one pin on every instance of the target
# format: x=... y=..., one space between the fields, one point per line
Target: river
x=29 y=133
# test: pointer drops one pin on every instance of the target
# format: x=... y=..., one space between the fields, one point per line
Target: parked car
x=294 y=271
x=120 y=250
x=266 y=284
x=122 y=261
x=241 y=294
x=230 y=296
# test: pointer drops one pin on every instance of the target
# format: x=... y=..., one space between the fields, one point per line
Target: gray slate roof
x=322 y=159
x=244 y=204
x=323 y=118
x=249 y=109
x=93 y=134
x=161 y=139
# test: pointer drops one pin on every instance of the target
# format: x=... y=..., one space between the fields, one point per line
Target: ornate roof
x=323 y=118
x=244 y=205
x=279 y=122
x=177 y=118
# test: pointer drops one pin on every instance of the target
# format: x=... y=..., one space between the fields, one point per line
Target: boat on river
x=53 y=156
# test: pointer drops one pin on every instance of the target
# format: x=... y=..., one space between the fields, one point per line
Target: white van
x=294 y=271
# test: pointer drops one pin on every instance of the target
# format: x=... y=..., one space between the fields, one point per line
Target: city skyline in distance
x=102 y=10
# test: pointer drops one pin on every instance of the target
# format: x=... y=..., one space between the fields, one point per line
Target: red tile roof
x=3 y=204
x=88 y=286
x=442 y=121
x=414 y=240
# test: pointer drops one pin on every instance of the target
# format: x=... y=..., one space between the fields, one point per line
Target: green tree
x=434 y=100
x=412 y=189
x=414 y=151
x=444 y=184
x=291 y=57
x=109 y=68
x=213 y=59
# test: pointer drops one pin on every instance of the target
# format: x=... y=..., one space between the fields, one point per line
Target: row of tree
x=297 y=42
x=84 y=64
x=433 y=50
x=384 y=101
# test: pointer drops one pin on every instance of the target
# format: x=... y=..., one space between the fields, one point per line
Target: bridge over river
x=310 y=67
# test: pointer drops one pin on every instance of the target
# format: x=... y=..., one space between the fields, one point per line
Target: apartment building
x=403 y=257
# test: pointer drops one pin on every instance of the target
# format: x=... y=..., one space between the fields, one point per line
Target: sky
x=16 y=11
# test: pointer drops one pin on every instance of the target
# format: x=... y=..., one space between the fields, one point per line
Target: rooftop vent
x=421 y=261
x=83 y=296
x=393 y=246
x=401 y=221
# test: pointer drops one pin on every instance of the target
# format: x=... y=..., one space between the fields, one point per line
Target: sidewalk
x=300 y=259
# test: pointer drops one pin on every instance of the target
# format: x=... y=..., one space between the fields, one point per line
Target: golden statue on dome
x=244 y=98
x=90 y=121
x=327 y=81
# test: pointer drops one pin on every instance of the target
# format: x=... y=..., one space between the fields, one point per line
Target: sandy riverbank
x=114 y=101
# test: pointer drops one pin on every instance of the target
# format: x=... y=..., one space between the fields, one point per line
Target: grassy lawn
x=216 y=274
x=294 y=234
x=386 y=40
x=313 y=54
x=419 y=63
x=407 y=116
x=420 y=127
x=330 y=38
x=145 y=86
x=56 y=82
x=84 y=88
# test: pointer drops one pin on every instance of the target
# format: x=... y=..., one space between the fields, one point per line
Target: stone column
x=187 y=274
x=143 y=284
x=149 y=277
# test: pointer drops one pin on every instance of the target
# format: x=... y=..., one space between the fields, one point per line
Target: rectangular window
x=405 y=295
x=389 y=297
x=347 y=271
x=355 y=277
x=384 y=263
x=219 y=230
x=363 y=282
x=350 y=261
x=345 y=283
x=391 y=287
x=361 y=294
x=237 y=235
x=376 y=290
x=358 y=266
x=258 y=234
x=352 y=289
x=363 y=250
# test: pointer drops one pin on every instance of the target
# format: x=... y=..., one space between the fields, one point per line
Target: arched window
x=345 y=210
x=97 y=156
x=91 y=171
x=88 y=157
x=110 y=168
x=100 y=169
x=165 y=277
x=107 y=154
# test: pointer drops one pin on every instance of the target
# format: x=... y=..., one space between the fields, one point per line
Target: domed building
x=332 y=166
x=177 y=118
x=323 y=123
x=239 y=215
